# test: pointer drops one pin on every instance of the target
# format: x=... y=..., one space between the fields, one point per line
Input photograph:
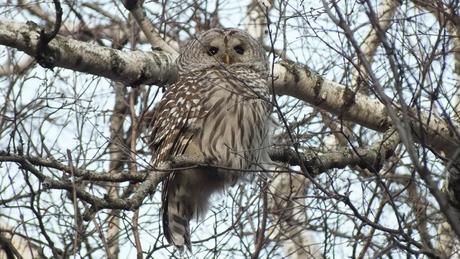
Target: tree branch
x=128 y=67
x=371 y=158
x=135 y=8
x=387 y=10
x=302 y=83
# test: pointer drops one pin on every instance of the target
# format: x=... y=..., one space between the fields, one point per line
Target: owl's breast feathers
x=218 y=114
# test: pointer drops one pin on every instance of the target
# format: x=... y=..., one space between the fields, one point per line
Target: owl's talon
x=186 y=160
x=210 y=161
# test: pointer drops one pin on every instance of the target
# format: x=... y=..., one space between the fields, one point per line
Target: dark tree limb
x=41 y=54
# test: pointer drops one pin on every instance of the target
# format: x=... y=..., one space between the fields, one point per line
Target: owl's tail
x=185 y=195
x=177 y=212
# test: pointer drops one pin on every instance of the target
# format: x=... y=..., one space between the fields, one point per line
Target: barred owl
x=218 y=112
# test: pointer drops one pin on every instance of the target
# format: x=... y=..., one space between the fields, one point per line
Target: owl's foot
x=187 y=160
x=191 y=160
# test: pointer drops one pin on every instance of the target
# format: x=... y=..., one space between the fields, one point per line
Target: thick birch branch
x=128 y=67
x=300 y=82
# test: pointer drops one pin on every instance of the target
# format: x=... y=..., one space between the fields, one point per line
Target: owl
x=218 y=112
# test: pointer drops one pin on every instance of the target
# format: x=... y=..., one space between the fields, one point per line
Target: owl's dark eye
x=212 y=51
x=239 y=49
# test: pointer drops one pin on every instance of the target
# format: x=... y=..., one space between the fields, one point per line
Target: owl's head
x=222 y=47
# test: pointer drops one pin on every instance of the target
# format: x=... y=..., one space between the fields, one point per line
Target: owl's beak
x=226 y=58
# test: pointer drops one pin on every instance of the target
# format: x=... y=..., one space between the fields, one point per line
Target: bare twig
x=133 y=167
x=17 y=69
x=387 y=11
x=74 y=202
x=117 y=162
x=135 y=7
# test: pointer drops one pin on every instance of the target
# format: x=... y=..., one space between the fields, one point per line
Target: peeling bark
x=300 y=82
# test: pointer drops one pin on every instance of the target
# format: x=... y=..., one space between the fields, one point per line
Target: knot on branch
x=43 y=54
x=453 y=186
x=130 y=4
x=292 y=68
x=348 y=98
x=46 y=184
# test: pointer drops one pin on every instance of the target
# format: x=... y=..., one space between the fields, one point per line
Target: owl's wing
x=173 y=120
x=173 y=126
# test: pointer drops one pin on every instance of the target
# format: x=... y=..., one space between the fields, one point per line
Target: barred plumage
x=218 y=111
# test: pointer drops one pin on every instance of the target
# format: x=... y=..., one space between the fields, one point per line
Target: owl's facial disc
x=228 y=50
